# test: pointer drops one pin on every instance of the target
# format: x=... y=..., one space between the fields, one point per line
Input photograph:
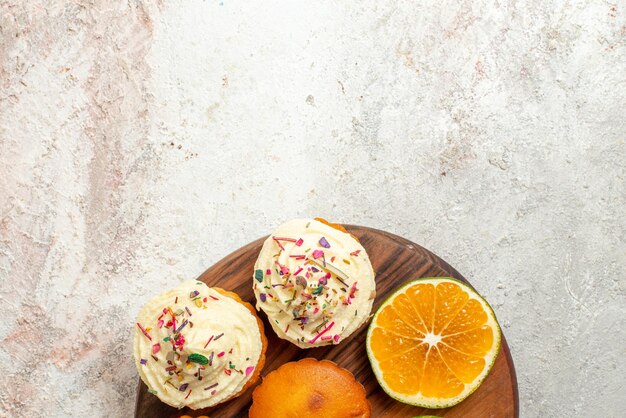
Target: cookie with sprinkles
x=314 y=281
x=197 y=346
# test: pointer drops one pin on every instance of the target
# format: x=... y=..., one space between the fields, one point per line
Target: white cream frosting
x=315 y=283
x=212 y=329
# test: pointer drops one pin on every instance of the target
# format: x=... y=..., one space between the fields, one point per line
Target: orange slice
x=433 y=342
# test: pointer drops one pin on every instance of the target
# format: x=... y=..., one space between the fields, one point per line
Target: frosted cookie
x=314 y=281
x=197 y=346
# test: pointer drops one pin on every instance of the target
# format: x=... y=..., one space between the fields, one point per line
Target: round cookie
x=310 y=388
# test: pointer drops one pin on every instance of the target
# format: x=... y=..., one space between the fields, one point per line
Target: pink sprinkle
x=249 y=370
x=213 y=297
x=298 y=257
x=318 y=254
x=355 y=253
x=285 y=239
x=326 y=338
x=327 y=275
x=316 y=310
x=160 y=323
x=279 y=244
x=283 y=269
x=221 y=354
x=268 y=272
x=353 y=289
x=156 y=348
x=322 y=332
x=299 y=242
x=297 y=271
x=164 y=310
x=336 y=337
x=207 y=343
x=213 y=392
x=144 y=331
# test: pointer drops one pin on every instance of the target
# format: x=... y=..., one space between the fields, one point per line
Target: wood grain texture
x=395 y=261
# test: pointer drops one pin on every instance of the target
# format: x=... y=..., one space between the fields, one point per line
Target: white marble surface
x=140 y=142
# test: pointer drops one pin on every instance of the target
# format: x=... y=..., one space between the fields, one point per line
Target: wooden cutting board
x=395 y=260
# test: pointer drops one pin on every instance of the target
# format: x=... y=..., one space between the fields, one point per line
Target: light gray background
x=140 y=142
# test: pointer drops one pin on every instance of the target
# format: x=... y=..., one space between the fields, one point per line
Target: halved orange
x=433 y=342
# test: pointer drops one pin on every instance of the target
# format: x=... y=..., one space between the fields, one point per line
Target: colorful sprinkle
x=143 y=361
x=188 y=311
x=193 y=294
x=249 y=370
x=221 y=354
x=324 y=242
x=301 y=281
x=318 y=254
x=283 y=269
x=197 y=358
x=299 y=242
x=353 y=289
x=219 y=336
x=183 y=325
x=268 y=272
x=213 y=392
x=263 y=297
x=207 y=343
x=279 y=244
x=322 y=332
x=183 y=387
x=144 y=331
x=152 y=391
x=258 y=274
x=285 y=239
x=355 y=253
x=211 y=387
x=188 y=393
x=156 y=348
